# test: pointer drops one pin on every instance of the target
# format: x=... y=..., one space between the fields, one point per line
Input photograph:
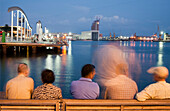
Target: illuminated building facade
x=144 y=38
x=95 y=25
x=39 y=30
x=166 y=36
x=95 y=30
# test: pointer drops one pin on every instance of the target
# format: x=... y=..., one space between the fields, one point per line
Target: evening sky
x=124 y=17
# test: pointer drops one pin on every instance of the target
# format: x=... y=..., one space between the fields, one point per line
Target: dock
x=28 y=47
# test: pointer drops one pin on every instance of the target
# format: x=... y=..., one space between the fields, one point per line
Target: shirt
x=84 y=88
x=20 y=87
x=47 y=91
x=158 y=90
x=120 y=87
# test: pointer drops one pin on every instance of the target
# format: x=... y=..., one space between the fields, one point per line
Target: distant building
x=95 y=25
x=95 y=30
x=39 y=30
x=143 y=38
x=166 y=36
x=93 y=34
x=86 y=35
x=76 y=36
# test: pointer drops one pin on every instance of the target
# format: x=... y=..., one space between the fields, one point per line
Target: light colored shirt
x=84 y=88
x=120 y=87
x=158 y=90
x=20 y=87
x=47 y=91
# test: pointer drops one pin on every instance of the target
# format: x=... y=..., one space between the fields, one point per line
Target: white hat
x=160 y=71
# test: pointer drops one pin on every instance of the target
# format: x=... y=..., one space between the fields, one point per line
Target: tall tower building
x=95 y=30
x=95 y=25
x=39 y=30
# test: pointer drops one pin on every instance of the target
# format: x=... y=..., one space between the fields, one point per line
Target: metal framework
x=27 y=31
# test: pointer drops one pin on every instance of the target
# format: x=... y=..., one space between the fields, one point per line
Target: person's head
x=47 y=76
x=23 y=69
x=160 y=73
x=88 y=71
x=122 y=69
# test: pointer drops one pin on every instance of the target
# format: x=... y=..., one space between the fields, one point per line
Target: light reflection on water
x=67 y=67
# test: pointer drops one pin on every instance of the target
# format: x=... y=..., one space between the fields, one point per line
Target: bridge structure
x=25 y=29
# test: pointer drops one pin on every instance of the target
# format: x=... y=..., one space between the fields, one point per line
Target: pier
x=28 y=47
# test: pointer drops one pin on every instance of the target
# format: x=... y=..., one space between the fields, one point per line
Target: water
x=67 y=67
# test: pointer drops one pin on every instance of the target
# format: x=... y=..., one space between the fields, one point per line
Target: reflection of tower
x=39 y=30
x=95 y=30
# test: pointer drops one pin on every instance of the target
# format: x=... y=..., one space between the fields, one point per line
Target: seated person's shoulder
x=29 y=79
x=95 y=83
x=74 y=82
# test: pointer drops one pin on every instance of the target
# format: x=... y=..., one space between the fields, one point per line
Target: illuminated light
x=64 y=50
x=49 y=34
x=69 y=33
x=144 y=38
x=162 y=32
x=160 y=60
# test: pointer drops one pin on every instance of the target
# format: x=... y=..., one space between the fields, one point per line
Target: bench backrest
x=116 y=105
x=84 y=105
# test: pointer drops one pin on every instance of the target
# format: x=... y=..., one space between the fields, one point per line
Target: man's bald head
x=23 y=69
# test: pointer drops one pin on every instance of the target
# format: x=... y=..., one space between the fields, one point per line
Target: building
x=95 y=30
x=166 y=36
x=86 y=35
x=39 y=30
x=144 y=38
x=93 y=34
x=95 y=25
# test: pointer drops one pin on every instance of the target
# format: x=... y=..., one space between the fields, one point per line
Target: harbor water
x=67 y=66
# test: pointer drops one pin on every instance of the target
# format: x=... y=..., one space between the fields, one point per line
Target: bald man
x=20 y=87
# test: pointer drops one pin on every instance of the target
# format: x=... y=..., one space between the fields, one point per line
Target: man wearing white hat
x=158 y=90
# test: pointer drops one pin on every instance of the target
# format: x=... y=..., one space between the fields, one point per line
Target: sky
x=122 y=17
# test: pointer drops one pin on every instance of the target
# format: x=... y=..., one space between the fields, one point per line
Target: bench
x=30 y=105
x=84 y=105
x=116 y=105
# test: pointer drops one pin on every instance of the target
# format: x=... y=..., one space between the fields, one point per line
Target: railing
x=84 y=105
